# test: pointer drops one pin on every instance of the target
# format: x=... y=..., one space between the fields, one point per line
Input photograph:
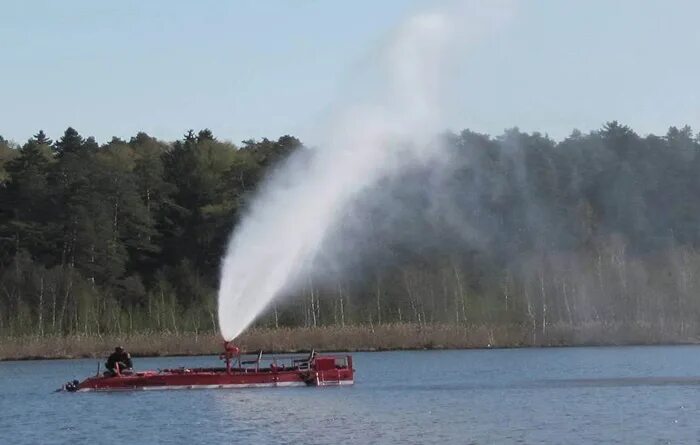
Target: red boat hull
x=322 y=371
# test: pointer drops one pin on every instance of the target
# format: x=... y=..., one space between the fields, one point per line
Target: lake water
x=634 y=395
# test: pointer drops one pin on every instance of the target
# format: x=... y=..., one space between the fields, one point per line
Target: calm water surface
x=635 y=395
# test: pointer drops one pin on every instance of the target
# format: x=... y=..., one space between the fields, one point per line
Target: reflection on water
x=563 y=395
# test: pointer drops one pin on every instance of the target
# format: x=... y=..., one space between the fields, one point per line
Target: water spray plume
x=301 y=201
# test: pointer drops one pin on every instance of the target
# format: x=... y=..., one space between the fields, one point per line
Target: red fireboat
x=240 y=371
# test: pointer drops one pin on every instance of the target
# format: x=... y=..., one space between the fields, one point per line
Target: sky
x=253 y=69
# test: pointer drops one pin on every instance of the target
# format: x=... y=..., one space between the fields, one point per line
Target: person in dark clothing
x=121 y=358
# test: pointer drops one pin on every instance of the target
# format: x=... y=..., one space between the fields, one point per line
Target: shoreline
x=357 y=338
x=351 y=351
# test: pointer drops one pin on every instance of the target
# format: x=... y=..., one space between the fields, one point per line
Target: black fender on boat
x=309 y=378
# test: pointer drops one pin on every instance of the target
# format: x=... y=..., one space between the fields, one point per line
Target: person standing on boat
x=119 y=358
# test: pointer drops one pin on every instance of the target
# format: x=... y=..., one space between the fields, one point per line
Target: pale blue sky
x=248 y=69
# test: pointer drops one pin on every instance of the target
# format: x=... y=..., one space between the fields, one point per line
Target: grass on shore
x=398 y=336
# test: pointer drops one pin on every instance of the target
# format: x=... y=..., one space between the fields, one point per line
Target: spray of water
x=298 y=205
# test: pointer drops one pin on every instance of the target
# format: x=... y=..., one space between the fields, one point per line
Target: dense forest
x=516 y=229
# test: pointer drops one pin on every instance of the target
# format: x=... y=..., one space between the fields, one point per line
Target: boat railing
x=274 y=362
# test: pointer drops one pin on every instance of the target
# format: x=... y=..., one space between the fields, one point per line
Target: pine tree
x=70 y=142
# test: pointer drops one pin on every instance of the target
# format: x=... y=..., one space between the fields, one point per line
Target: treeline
x=120 y=237
x=598 y=229
x=598 y=232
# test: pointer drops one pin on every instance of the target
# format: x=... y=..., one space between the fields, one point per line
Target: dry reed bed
x=347 y=338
